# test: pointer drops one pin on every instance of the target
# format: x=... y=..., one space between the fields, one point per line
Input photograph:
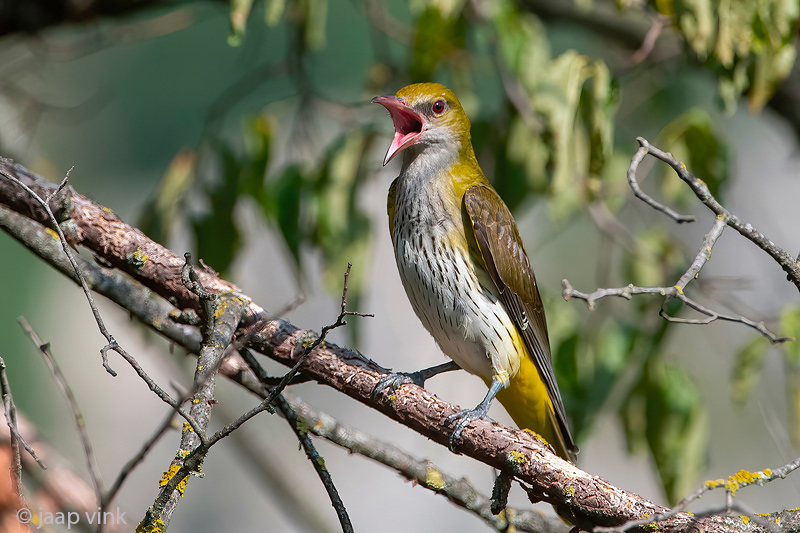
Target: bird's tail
x=527 y=401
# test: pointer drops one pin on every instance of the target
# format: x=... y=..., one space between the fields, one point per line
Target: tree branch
x=586 y=499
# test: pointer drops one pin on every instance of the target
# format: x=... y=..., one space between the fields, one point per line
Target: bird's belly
x=462 y=314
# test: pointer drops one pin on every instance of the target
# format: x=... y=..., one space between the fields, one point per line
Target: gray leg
x=395 y=379
x=464 y=418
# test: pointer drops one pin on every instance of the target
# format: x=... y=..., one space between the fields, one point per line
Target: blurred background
x=243 y=133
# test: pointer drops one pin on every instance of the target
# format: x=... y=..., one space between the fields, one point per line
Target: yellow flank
x=528 y=403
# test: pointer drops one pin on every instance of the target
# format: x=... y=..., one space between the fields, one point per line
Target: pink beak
x=408 y=124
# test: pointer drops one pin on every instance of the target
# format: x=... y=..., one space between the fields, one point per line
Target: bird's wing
x=390 y=204
x=507 y=264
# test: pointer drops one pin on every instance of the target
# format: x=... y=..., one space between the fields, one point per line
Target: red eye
x=438 y=107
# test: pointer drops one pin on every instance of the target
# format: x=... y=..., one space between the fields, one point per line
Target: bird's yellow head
x=426 y=114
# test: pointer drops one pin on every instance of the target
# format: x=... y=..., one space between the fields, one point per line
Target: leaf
x=341 y=228
x=159 y=215
x=258 y=131
x=216 y=232
x=436 y=38
x=750 y=45
x=239 y=12
x=282 y=201
x=747 y=369
x=664 y=412
x=693 y=138
x=790 y=325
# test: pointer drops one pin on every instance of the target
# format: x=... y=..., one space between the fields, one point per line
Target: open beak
x=407 y=124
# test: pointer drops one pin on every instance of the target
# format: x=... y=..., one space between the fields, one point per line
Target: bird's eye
x=438 y=107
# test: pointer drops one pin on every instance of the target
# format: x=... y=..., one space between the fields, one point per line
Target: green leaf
x=258 y=131
x=790 y=325
x=160 y=214
x=750 y=45
x=239 y=12
x=693 y=138
x=436 y=38
x=216 y=232
x=747 y=369
x=282 y=200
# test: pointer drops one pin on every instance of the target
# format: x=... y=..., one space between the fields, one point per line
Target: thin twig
x=316 y=461
x=637 y=158
x=15 y=438
x=80 y=422
x=723 y=219
x=786 y=261
x=649 y=41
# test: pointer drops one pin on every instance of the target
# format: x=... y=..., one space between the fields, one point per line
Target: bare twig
x=649 y=41
x=316 y=461
x=15 y=438
x=786 y=261
x=80 y=423
x=723 y=219
x=643 y=196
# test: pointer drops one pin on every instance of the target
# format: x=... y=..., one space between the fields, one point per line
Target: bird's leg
x=395 y=379
x=464 y=418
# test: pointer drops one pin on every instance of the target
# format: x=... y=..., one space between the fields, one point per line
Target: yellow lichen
x=138 y=258
x=714 y=483
x=767 y=472
x=156 y=527
x=745 y=519
x=52 y=233
x=679 y=289
x=515 y=457
x=107 y=210
x=220 y=308
x=187 y=427
x=433 y=478
x=169 y=474
x=569 y=492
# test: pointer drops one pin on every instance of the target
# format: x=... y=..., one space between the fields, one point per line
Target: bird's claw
x=462 y=419
x=392 y=381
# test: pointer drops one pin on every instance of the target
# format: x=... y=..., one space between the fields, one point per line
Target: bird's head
x=426 y=115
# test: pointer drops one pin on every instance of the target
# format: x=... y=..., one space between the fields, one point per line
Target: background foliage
x=556 y=92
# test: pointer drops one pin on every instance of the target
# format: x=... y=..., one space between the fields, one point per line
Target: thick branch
x=589 y=500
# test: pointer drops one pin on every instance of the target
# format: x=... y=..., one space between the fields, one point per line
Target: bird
x=465 y=270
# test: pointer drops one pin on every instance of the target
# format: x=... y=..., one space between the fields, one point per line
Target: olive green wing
x=498 y=241
x=390 y=204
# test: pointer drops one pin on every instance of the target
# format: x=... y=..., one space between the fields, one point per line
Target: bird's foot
x=464 y=418
x=392 y=381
